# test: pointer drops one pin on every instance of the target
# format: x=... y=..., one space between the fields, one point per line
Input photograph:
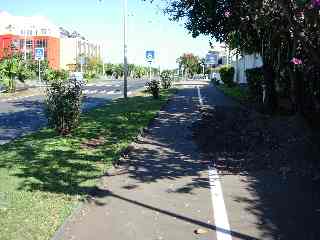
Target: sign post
x=150 y=56
x=82 y=61
x=211 y=60
x=39 y=55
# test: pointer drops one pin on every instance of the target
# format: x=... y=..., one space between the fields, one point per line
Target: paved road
x=24 y=115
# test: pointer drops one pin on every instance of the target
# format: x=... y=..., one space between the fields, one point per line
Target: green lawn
x=43 y=176
x=239 y=93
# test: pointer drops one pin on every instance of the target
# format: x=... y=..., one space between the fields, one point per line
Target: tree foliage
x=13 y=68
x=190 y=63
x=286 y=33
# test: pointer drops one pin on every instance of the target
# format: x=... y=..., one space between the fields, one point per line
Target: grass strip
x=44 y=176
x=238 y=93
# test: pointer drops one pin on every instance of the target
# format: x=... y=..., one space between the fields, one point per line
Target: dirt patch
x=93 y=143
x=239 y=140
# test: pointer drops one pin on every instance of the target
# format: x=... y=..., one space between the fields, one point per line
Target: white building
x=71 y=49
x=243 y=63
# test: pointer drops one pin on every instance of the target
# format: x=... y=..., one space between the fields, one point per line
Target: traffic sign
x=82 y=60
x=39 y=54
x=150 y=55
x=211 y=59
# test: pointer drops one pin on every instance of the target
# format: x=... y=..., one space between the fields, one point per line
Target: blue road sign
x=150 y=55
x=39 y=54
x=82 y=60
x=211 y=59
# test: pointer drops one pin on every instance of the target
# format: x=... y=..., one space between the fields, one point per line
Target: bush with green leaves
x=89 y=75
x=166 y=79
x=63 y=104
x=255 y=81
x=153 y=87
x=13 y=68
x=227 y=74
x=53 y=75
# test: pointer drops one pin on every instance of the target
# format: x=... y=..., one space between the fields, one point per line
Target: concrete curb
x=75 y=211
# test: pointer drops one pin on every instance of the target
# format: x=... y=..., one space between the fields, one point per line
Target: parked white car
x=77 y=76
x=2 y=88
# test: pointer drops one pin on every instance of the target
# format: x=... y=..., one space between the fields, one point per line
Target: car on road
x=2 y=88
x=78 y=76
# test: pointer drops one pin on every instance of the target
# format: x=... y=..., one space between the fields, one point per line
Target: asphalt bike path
x=160 y=191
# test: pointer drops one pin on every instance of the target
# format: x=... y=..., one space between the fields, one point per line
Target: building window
x=21 y=43
x=29 y=32
x=29 y=55
x=29 y=44
x=15 y=44
x=42 y=43
x=44 y=31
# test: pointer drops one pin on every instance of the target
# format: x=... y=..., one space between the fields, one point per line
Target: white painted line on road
x=113 y=92
x=200 y=97
x=221 y=220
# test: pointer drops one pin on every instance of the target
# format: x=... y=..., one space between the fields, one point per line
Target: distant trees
x=135 y=71
x=190 y=63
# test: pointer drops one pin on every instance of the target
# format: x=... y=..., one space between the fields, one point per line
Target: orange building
x=10 y=44
x=24 y=34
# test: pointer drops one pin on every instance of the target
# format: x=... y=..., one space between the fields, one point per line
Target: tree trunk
x=271 y=100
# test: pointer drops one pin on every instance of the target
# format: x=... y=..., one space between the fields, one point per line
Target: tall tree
x=190 y=63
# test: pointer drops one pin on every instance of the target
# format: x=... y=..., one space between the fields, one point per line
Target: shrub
x=89 y=75
x=227 y=74
x=63 y=104
x=153 y=87
x=166 y=79
x=53 y=75
x=255 y=81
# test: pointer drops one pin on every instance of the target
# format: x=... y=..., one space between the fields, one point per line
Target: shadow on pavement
x=282 y=204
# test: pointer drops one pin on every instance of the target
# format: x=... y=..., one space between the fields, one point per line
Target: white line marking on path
x=200 y=97
x=221 y=220
x=219 y=209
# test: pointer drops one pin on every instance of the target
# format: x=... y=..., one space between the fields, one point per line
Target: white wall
x=68 y=52
x=245 y=62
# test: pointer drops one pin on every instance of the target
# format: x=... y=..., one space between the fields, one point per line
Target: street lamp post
x=125 y=48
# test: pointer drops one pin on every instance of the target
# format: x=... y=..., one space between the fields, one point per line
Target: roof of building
x=33 y=25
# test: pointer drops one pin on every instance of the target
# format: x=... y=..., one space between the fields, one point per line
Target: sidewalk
x=21 y=94
x=160 y=192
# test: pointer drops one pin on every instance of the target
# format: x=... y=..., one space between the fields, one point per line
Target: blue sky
x=148 y=28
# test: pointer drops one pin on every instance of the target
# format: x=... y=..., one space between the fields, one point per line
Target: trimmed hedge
x=255 y=81
x=227 y=74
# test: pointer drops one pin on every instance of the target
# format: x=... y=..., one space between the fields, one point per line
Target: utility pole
x=102 y=56
x=125 y=49
x=39 y=71
x=25 y=43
